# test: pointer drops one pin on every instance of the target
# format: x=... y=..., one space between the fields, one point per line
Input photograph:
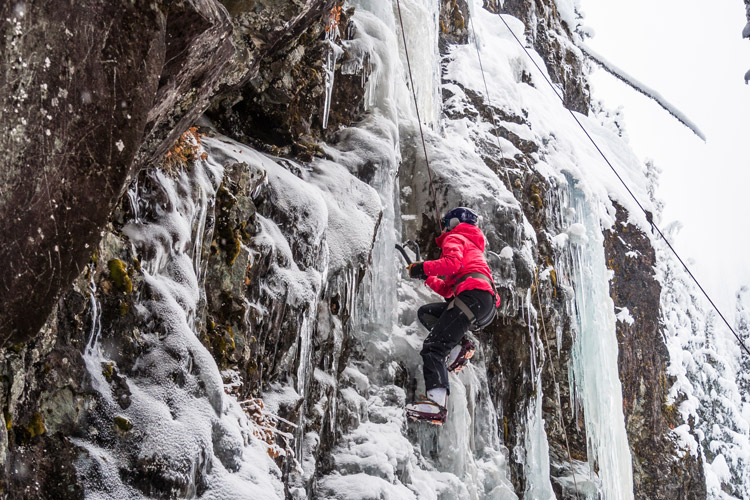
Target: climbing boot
x=460 y=355
x=426 y=410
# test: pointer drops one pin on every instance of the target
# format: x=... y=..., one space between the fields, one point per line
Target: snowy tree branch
x=640 y=87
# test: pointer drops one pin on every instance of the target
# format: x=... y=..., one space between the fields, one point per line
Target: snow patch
x=577 y=233
x=685 y=440
x=624 y=316
x=560 y=240
x=568 y=10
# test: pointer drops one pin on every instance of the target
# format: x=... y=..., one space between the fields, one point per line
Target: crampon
x=463 y=353
x=426 y=410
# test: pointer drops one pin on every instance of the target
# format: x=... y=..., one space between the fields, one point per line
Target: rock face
x=281 y=108
x=272 y=302
x=70 y=143
x=86 y=89
x=454 y=16
x=643 y=364
x=91 y=95
x=545 y=32
x=643 y=356
x=43 y=403
x=198 y=52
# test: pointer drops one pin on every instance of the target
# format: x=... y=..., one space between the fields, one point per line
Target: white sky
x=693 y=54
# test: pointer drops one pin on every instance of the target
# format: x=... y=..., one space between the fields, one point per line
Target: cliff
x=201 y=295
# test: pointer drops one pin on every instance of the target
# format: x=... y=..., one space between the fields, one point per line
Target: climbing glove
x=416 y=270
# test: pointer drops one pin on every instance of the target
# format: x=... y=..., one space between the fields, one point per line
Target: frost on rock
x=569 y=11
x=175 y=430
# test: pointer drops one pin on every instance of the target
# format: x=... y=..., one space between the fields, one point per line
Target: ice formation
x=378 y=454
x=182 y=421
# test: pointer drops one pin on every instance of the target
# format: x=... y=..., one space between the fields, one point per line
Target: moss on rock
x=36 y=426
x=537 y=201
x=123 y=424
x=118 y=272
x=124 y=308
x=108 y=369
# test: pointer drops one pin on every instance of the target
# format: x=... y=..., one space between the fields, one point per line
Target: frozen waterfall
x=595 y=378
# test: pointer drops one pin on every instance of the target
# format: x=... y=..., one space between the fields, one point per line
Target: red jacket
x=463 y=253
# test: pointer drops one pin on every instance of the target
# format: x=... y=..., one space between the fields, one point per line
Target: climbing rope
x=416 y=106
x=536 y=277
x=554 y=379
x=648 y=215
x=489 y=102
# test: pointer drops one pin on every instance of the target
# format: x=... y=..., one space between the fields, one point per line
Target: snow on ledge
x=624 y=316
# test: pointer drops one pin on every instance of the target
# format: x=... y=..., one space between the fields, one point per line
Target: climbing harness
x=648 y=216
x=475 y=323
x=554 y=379
x=456 y=302
x=479 y=276
x=460 y=304
x=416 y=106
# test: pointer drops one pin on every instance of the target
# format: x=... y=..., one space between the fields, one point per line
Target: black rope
x=416 y=106
x=536 y=280
x=648 y=216
x=489 y=101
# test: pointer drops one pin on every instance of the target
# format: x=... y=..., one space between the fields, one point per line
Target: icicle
x=133 y=197
x=533 y=344
x=96 y=324
x=329 y=68
x=199 y=232
x=536 y=464
x=92 y=355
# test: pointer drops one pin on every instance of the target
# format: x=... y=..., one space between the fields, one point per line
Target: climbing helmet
x=454 y=217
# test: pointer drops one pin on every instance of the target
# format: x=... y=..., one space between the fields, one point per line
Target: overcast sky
x=693 y=54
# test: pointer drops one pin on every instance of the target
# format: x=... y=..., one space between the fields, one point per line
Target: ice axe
x=414 y=247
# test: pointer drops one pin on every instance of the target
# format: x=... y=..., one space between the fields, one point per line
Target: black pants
x=448 y=327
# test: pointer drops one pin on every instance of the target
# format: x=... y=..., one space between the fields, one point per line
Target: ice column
x=389 y=99
x=595 y=374
x=380 y=288
x=536 y=456
x=421 y=23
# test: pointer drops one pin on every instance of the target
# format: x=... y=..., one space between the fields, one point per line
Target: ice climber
x=468 y=283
